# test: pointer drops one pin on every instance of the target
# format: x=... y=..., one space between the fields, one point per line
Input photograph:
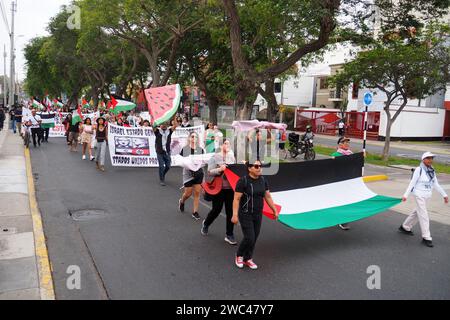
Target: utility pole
x=5 y=84
x=12 y=87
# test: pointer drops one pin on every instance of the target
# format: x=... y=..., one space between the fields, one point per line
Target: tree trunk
x=153 y=64
x=268 y=93
x=387 y=143
x=245 y=98
x=213 y=105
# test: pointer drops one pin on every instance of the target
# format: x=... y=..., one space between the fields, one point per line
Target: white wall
x=417 y=122
x=296 y=92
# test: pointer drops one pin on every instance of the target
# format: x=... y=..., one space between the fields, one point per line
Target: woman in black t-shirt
x=251 y=191
x=192 y=180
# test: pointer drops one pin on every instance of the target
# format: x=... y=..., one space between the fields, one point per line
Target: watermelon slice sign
x=163 y=102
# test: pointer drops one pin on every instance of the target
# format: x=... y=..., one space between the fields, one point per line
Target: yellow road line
x=44 y=269
x=375 y=178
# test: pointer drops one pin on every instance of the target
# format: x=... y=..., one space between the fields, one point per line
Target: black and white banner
x=135 y=147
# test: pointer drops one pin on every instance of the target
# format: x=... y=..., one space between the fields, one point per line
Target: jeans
x=225 y=196
x=13 y=126
x=251 y=227
x=101 y=151
x=164 y=162
x=19 y=126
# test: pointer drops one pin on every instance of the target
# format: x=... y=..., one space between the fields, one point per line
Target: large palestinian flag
x=320 y=194
x=48 y=120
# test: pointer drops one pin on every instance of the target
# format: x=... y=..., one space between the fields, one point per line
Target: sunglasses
x=256 y=166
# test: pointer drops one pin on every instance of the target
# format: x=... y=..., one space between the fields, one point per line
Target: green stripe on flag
x=47 y=125
x=330 y=217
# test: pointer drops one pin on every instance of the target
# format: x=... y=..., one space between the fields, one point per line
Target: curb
x=43 y=263
x=375 y=178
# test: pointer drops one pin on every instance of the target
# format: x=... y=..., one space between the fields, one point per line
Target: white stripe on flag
x=322 y=197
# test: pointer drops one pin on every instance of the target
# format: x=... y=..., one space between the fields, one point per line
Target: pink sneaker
x=251 y=264
x=239 y=262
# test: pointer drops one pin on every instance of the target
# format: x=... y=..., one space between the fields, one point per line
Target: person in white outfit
x=423 y=182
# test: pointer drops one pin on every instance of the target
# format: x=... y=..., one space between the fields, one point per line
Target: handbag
x=212 y=188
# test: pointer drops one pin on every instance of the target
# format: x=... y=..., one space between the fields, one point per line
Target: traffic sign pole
x=368 y=99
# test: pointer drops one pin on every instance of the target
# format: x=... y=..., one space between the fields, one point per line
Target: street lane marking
x=47 y=291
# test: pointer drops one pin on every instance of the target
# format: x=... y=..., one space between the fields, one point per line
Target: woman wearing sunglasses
x=251 y=191
x=192 y=180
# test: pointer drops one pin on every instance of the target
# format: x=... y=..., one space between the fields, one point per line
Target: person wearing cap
x=423 y=182
x=101 y=134
x=343 y=150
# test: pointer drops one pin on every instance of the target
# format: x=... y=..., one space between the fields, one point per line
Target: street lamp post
x=12 y=57
x=5 y=84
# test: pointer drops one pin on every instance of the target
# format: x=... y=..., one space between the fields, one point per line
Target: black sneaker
x=180 y=206
x=403 y=230
x=428 y=243
x=204 y=230
x=230 y=240
x=196 y=216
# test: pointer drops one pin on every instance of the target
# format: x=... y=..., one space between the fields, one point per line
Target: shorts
x=73 y=137
x=195 y=181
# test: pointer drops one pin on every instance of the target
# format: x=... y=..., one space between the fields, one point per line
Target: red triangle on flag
x=114 y=102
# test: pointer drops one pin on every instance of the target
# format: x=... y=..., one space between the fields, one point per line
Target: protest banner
x=135 y=147
x=59 y=131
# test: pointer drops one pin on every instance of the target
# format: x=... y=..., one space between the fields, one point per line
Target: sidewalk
x=434 y=147
x=24 y=268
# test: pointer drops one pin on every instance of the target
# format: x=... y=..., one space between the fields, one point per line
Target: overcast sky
x=32 y=18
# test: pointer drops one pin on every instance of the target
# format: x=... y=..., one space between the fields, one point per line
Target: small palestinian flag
x=121 y=105
x=77 y=116
x=320 y=194
x=85 y=104
x=48 y=120
x=36 y=104
x=58 y=103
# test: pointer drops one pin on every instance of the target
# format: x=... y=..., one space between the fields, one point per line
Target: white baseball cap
x=428 y=155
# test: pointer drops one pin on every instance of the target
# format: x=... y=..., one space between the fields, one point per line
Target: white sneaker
x=239 y=261
x=92 y=158
x=251 y=264
x=84 y=157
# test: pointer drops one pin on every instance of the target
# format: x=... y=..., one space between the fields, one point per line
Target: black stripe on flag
x=299 y=175
x=45 y=116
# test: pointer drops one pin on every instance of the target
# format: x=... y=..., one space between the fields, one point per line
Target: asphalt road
x=142 y=248
x=411 y=154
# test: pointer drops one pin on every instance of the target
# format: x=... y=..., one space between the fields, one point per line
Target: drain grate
x=87 y=214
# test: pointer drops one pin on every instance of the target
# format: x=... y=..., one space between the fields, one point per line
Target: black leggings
x=251 y=227
x=225 y=196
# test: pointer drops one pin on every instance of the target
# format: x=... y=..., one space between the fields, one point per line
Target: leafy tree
x=402 y=69
x=155 y=28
